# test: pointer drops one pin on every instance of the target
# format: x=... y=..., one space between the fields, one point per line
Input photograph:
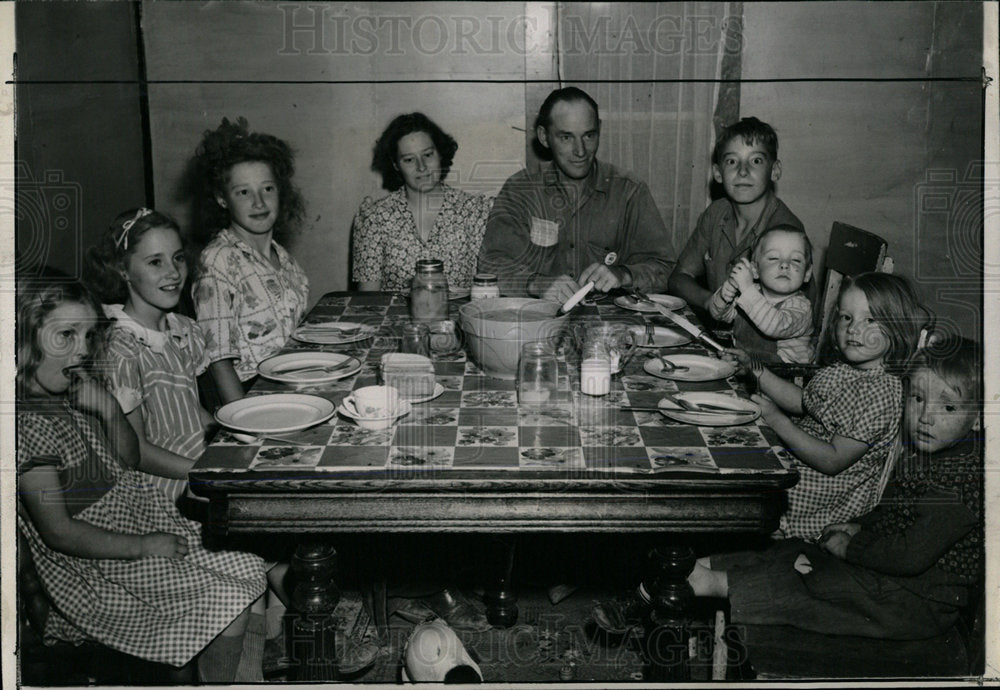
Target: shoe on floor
x=559 y=592
x=411 y=610
x=457 y=611
x=620 y=615
x=356 y=656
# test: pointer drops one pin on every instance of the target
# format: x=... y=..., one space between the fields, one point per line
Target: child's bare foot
x=707 y=582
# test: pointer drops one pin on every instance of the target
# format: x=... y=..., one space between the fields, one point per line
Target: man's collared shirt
x=541 y=226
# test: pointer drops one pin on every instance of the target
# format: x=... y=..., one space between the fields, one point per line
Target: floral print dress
x=387 y=244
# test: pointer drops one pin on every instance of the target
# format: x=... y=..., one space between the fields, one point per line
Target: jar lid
x=485 y=279
x=430 y=266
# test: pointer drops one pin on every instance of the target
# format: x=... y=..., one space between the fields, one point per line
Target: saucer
x=376 y=423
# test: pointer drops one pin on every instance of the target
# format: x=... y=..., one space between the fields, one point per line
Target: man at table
x=577 y=219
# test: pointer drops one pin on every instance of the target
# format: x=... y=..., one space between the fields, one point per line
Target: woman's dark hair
x=386 y=147
x=36 y=298
x=108 y=259
x=895 y=307
x=232 y=143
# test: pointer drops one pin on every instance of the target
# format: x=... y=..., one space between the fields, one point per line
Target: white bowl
x=378 y=423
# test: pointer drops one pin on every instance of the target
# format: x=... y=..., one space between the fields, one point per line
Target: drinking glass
x=538 y=374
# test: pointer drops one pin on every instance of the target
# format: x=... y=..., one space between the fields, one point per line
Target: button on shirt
x=540 y=226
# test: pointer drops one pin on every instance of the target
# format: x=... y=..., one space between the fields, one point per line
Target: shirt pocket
x=544 y=233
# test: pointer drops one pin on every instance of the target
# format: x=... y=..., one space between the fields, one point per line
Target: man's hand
x=605 y=278
x=742 y=275
x=557 y=289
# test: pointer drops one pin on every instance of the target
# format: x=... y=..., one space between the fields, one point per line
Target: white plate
x=700 y=368
x=669 y=301
x=380 y=422
x=662 y=336
x=668 y=408
x=458 y=293
x=438 y=390
x=284 y=367
x=275 y=413
x=333 y=332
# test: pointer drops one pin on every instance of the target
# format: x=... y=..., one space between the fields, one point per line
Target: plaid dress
x=157 y=373
x=865 y=405
x=160 y=609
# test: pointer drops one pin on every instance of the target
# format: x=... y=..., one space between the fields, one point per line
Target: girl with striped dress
x=155 y=355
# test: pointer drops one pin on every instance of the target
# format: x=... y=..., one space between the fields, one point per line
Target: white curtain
x=653 y=70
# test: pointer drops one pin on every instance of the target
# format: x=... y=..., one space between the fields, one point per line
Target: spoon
x=669 y=366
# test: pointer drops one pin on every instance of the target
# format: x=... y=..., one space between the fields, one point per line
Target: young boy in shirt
x=900 y=572
x=745 y=162
x=779 y=319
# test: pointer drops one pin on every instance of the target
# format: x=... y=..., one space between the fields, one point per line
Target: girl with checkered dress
x=119 y=563
x=154 y=354
x=850 y=411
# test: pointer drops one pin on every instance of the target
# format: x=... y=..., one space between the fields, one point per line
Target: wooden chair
x=850 y=251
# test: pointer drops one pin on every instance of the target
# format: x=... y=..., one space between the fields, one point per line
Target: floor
x=550 y=643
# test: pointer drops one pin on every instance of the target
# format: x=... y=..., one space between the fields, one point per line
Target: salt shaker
x=538 y=374
x=595 y=369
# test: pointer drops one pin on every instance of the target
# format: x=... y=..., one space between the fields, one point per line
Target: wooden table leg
x=314 y=596
x=500 y=598
x=672 y=597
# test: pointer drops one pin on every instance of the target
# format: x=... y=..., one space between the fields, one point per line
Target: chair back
x=850 y=252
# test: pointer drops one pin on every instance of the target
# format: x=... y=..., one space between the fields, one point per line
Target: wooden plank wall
x=893 y=157
x=235 y=59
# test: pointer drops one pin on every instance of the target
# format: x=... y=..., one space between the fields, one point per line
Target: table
x=473 y=461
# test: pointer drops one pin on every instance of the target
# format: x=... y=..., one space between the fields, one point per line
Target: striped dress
x=156 y=372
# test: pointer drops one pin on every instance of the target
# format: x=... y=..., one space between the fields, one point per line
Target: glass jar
x=484 y=285
x=415 y=339
x=595 y=369
x=429 y=292
x=537 y=374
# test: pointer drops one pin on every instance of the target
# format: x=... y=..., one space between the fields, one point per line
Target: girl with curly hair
x=138 y=269
x=249 y=293
x=422 y=217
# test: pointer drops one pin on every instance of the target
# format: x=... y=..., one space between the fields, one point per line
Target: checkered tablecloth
x=476 y=424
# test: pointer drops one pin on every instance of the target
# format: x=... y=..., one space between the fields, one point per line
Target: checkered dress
x=844 y=401
x=160 y=609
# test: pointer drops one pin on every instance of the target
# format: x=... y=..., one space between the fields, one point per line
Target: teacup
x=373 y=402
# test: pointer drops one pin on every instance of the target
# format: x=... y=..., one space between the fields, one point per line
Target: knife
x=689 y=327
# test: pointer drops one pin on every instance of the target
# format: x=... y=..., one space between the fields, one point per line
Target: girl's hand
x=851 y=528
x=738 y=357
x=163 y=544
x=742 y=275
x=835 y=543
x=768 y=410
x=87 y=395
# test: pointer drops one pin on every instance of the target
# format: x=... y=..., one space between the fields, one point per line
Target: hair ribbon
x=127 y=225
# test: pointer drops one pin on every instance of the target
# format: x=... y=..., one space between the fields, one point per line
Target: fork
x=703 y=407
x=650 y=333
x=755 y=368
x=639 y=295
